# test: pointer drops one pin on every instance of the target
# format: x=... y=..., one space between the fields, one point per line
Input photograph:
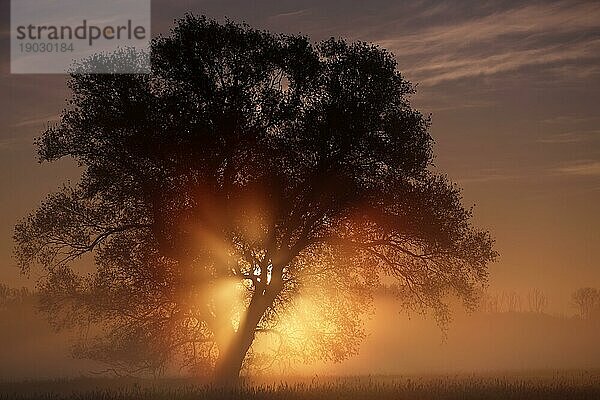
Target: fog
x=396 y=344
x=479 y=342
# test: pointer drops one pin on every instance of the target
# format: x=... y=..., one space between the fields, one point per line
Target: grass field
x=547 y=385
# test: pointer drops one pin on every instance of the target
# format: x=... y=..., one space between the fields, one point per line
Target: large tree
x=252 y=185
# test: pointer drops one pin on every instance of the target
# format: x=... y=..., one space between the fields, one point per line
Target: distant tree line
x=587 y=302
x=535 y=301
x=10 y=296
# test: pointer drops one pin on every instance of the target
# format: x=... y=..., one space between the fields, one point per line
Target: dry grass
x=548 y=385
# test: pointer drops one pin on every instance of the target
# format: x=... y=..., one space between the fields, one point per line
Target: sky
x=513 y=89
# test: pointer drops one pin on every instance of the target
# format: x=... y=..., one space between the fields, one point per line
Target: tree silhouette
x=253 y=185
x=587 y=301
x=537 y=300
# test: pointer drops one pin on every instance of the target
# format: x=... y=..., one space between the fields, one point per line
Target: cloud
x=569 y=119
x=580 y=168
x=438 y=42
x=561 y=35
x=36 y=121
x=446 y=103
x=569 y=137
x=489 y=175
x=290 y=14
x=487 y=178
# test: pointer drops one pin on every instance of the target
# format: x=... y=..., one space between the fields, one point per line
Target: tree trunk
x=232 y=356
x=230 y=361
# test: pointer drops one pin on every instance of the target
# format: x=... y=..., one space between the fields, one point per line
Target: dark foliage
x=296 y=172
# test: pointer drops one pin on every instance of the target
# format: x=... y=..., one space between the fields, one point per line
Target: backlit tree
x=254 y=188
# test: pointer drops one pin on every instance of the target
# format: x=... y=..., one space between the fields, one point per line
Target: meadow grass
x=546 y=385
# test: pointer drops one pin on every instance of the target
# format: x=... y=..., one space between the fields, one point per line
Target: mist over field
x=481 y=342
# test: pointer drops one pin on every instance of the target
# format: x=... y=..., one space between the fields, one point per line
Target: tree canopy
x=251 y=180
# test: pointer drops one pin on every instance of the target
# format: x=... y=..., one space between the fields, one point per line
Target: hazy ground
x=516 y=341
x=505 y=355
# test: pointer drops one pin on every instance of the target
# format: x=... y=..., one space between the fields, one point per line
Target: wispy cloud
x=580 y=168
x=533 y=35
x=487 y=178
x=36 y=121
x=290 y=14
x=569 y=119
x=569 y=137
x=492 y=175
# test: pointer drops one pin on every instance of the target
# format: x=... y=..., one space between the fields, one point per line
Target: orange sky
x=513 y=90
